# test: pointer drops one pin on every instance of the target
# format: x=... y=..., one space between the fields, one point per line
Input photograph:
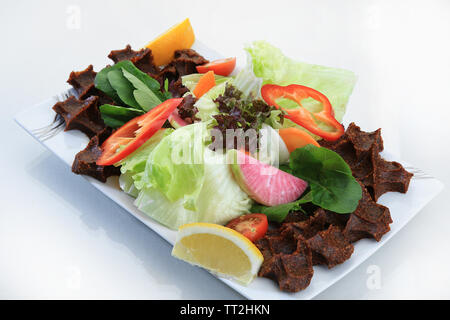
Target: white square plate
x=403 y=207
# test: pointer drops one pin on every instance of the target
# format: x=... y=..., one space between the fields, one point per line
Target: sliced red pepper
x=301 y=116
x=135 y=132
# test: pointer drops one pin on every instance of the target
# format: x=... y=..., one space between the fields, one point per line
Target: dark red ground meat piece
x=82 y=81
x=142 y=59
x=389 y=176
x=85 y=160
x=288 y=261
x=330 y=247
x=321 y=220
x=83 y=84
x=82 y=115
x=361 y=150
x=369 y=220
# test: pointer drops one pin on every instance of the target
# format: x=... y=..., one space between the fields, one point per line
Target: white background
x=61 y=238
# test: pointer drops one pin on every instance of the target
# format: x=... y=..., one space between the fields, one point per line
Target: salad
x=255 y=171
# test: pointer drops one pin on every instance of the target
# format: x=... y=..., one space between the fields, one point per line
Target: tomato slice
x=135 y=132
x=222 y=67
x=253 y=226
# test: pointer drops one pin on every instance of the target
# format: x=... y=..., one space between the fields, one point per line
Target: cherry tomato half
x=135 y=132
x=221 y=67
x=253 y=226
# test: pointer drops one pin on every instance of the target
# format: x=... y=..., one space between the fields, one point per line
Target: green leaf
x=101 y=82
x=279 y=213
x=113 y=122
x=117 y=116
x=123 y=88
x=285 y=167
x=149 y=82
x=175 y=166
x=120 y=111
x=136 y=161
x=135 y=81
x=145 y=97
x=166 y=85
x=332 y=185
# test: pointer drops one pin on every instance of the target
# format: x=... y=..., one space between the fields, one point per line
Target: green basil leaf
x=285 y=167
x=101 y=82
x=123 y=87
x=112 y=122
x=120 y=111
x=333 y=186
x=135 y=81
x=151 y=83
x=116 y=116
x=145 y=97
x=279 y=213
x=129 y=87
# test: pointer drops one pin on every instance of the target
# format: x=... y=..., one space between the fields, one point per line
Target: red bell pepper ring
x=301 y=116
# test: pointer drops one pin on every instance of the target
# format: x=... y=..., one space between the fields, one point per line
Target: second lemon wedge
x=221 y=250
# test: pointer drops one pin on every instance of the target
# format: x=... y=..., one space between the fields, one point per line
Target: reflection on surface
x=103 y=217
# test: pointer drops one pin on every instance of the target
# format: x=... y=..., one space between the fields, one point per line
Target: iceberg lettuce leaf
x=175 y=166
x=220 y=198
x=135 y=162
x=270 y=64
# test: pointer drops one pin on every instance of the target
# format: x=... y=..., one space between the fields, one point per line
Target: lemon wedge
x=220 y=250
x=180 y=36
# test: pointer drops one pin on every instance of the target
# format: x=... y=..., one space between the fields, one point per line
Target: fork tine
x=418 y=173
x=56 y=126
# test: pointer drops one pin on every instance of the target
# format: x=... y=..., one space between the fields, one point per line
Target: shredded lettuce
x=270 y=64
